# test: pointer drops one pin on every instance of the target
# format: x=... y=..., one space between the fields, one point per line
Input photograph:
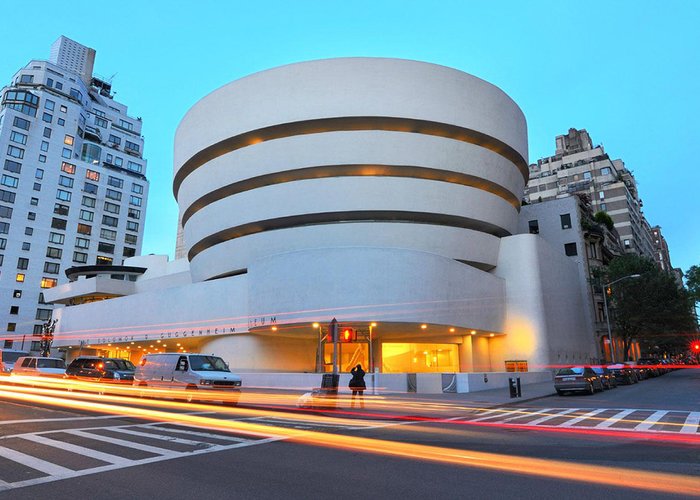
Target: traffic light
x=348 y=335
x=608 y=291
x=695 y=346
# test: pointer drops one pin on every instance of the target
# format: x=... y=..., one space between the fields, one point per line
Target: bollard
x=520 y=394
x=511 y=386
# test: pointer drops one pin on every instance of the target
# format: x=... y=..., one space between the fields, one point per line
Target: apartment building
x=73 y=188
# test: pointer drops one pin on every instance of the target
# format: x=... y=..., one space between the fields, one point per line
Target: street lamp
x=319 y=356
x=607 y=317
x=371 y=357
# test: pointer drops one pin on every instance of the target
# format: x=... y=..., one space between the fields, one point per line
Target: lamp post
x=607 y=317
x=319 y=356
x=371 y=356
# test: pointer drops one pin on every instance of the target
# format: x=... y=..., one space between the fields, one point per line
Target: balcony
x=92 y=134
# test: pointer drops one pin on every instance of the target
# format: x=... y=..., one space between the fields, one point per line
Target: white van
x=188 y=372
x=8 y=358
x=36 y=366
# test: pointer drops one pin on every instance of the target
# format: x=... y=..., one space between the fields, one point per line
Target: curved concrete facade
x=348 y=152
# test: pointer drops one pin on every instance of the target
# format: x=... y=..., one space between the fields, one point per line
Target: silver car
x=577 y=379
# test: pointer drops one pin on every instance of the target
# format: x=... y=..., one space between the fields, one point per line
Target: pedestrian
x=357 y=385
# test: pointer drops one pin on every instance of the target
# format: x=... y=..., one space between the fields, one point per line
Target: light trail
x=594 y=474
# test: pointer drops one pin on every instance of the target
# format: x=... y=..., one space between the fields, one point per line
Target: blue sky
x=627 y=71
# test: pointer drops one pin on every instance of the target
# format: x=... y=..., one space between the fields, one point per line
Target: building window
x=54 y=253
x=605 y=171
x=68 y=168
x=92 y=175
x=22 y=263
x=627 y=243
x=44 y=146
x=110 y=221
x=105 y=247
x=51 y=267
x=63 y=195
x=17 y=294
x=15 y=152
x=125 y=124
x=39 y=173
x=65 y=181
x=132 y=226
x=130 y=239
x=28 y=231
x=137 y=188
x=43 y=314
x=134 y=167
x=86 y=215
x=603 y=207
x=68 y=140
x=63 y=109
x=13 y=166
x=9 y=181
x=31 y=215
x=108 y=234
x=19 y=278
x=135 y=200
x=47 y=117
x=42 y=158
x=56 y=238
x=134 y=213
x=5 y=212
x=80 y=257
x=14 y=309
x=26 y=246
x=60 y=209
x=7 y=196
x=84 y=229
x=103 y=261
x=115 y=182
x=67 y=153
x=112 y=208
x=82 y=243
x=49 y=104
x=115 y=195
x=533 y=227
x=88 y=202
x=34 y=201
x=4 y=228
x=10 y=328
x=129 y=252
x=565 y=221
x=21 y=123
x=114 y=140
x=601 y=195
x=48 y=282
x=47 y=132
x=101 y=122
x=90 y=188
x=91 y=153
x=18 y=137
x=570 y=249
x=61 y=122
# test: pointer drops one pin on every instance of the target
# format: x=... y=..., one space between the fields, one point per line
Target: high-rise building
x=73 y=188
x=580 y=167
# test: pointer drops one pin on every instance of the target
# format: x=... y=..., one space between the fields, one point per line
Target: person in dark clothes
x=357 y=385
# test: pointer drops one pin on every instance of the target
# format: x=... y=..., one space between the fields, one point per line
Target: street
x=638 y=441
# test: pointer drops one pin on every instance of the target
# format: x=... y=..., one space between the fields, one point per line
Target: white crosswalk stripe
x=691 y=423
x=583 y=417
x=33 y=462
x=650 y=420
x=80 y=450
x=541 y=420
x=614 y=419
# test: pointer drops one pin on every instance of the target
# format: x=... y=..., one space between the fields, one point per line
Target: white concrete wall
x=376 y=284
x=545 y=311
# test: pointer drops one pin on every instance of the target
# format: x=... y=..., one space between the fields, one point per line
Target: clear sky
x=628 y=71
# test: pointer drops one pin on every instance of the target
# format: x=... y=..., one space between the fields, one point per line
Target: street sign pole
x=333 y=330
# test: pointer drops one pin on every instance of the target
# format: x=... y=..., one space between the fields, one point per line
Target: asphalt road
x=634 y=433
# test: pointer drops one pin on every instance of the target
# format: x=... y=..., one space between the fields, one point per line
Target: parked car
x=607 y=378
x=189 y=372
x=653 y=365
x=577 y=379
x=97 y=369
x=36 y=366
x=8 y=357
x=623 y=374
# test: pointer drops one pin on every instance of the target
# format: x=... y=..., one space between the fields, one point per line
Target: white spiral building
x=382 y=192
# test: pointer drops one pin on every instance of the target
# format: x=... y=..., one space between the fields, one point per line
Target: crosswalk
x=39 y=457
x=638 y=420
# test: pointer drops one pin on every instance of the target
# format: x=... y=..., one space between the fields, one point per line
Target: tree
x=692 y=282
x=603 y=218
x=651 y=309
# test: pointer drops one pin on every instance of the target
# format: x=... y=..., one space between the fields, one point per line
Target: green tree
x=603 y=218
x=651 y=309
x=692 y=282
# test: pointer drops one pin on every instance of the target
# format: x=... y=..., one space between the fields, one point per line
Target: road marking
x=122 y=442
x=583 y=417
x=614 y=419
x=101 y=417
x=555 y=415
x=33 y=462
x=159 y=426
x=691 y=423
x=650 y=420
x=528 y=414
x=80 y=450
x=502 y=412
x=170 y=439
